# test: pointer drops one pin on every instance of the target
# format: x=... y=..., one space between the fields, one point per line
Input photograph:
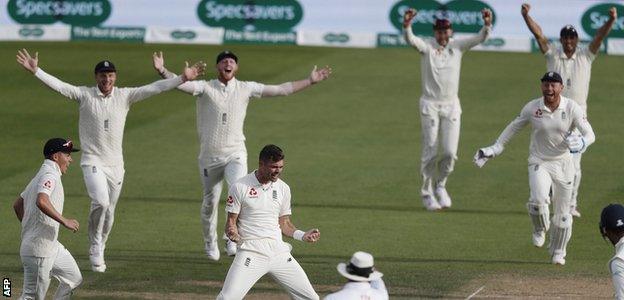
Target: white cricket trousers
x=558 y=174
x=249 y=266
x=440 y=123
x=38 y=270
x=212 y=172
x=103 y=186
x=576 y=158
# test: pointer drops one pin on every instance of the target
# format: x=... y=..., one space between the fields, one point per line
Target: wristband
x=298 y=235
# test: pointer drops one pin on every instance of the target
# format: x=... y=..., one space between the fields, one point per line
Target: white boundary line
x=476 y=292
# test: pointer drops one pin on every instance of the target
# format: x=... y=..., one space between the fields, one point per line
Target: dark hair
x=271 y=153
x=49 y=156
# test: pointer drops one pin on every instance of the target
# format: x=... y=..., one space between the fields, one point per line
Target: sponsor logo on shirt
x=253 y=193
x=275 y=195
x=538 y=113
x=48 y=184
x=563 y=115
x=230 y=200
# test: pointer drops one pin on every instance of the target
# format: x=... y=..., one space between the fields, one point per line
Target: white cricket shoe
x=574 y=212
x=212 y=251
x=443 y=197
x=96 y=257
x=430 y=203
x=539 y=238
x=230 y=248
x=558 y=259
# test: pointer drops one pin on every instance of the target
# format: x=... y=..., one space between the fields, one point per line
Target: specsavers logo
x=465 y=15
x=251 y=15
x=597 y=15
x=183 y=35
x=73 y=12
x=336 y=38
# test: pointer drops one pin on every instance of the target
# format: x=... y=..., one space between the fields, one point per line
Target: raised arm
x=43 y=203
x=157 y=87
x=287 y=88
x=288 y=229
x=158 y=60
x=31 y=64
x=468 y=43
x=18 y=207
x=603 y=31
x=534 y=28
x=408 y=35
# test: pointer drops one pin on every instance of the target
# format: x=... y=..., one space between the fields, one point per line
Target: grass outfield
x=353 y=148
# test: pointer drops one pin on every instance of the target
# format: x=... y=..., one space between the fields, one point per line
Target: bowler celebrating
x=259 y=212
x=103 y=110
x=574 y=66
x=440 y=111
x=553 y=118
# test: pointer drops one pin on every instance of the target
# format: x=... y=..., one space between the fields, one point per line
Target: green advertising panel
x=71 y=12
x=465 y=15
x=597 y=15
x=253 y=15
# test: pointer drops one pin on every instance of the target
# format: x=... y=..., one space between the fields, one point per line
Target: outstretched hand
x=613 y=13
x=194 y=71
x=486 y=14
x=320 y=75
x=28 y=62
x=312 y=235
x=409 y=16
x=158 y=60
x=525 y=9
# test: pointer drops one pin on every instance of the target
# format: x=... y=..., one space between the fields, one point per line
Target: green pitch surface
x=352 y=145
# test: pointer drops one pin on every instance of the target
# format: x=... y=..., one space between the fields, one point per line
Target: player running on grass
x=574 y=66
x=103 y=109
x=221 y=109
x=553 y=118
x=440 y=111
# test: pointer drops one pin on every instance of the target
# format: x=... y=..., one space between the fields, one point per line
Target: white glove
x=576 y=143
x=483 y=154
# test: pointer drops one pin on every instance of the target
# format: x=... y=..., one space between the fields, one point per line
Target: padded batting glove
x=576 y=143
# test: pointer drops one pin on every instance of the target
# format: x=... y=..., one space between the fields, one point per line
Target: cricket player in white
x=364 y=281
x=574 y=65
x=258 y=208
x=103 y=111
x=221 y=109
x=553 y=118
x=612 y=228
x=440 y=110
x=40 y=210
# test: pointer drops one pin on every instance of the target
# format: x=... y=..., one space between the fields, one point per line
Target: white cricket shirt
x=40 y=232
x=549 y=128
x=440 y=66
x=103 y=118
x=616 y=266
x=575 y=71
x=375 y=290
x=259 y=207
x=221 y=111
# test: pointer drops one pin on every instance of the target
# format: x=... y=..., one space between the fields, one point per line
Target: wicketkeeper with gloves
x=552 y=117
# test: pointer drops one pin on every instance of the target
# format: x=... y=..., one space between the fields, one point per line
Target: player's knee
x=562 y=220
x=76 y=281
x=535 y=207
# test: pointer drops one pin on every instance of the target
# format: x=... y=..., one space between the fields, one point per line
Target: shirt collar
x=99 y=93
x=357 y=285
x=52 y=164
x=229 y=86
x=619 y=244
x=562 y=104
x=562 y=54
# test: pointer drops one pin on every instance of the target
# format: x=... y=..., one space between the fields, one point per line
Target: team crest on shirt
x=253 y=193
x=563 y=115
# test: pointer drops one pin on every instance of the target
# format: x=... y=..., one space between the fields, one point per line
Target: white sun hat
x=359 y=268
